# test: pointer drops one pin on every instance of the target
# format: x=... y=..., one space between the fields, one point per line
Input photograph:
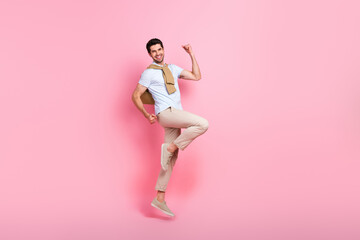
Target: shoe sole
x=162 y=157
x=172 y=215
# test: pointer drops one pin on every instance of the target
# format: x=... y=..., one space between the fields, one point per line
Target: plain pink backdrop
x=280 y=88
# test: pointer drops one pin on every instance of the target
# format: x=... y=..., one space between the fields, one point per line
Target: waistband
x=167 y=109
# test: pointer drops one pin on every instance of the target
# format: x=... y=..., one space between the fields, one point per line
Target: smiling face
x=157 y=53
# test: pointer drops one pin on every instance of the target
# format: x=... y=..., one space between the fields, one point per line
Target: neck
x=160 y=63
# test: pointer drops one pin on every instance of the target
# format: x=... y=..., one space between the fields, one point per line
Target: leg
x=164 y=176
x=175 y=118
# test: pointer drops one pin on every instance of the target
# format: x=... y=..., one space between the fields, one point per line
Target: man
x=160 y=80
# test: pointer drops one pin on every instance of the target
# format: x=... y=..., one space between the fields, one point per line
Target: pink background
x=280 y=88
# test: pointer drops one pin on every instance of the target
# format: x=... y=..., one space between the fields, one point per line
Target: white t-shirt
x=153 y=79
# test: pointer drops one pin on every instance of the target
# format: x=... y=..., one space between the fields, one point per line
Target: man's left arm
x=195 y=74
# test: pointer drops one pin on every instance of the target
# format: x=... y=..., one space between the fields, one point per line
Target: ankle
x=160 y=196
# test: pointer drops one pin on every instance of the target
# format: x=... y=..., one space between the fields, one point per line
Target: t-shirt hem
x=164 y=108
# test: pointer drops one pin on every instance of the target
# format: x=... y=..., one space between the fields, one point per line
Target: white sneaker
x=162 y=207
x=165 y=156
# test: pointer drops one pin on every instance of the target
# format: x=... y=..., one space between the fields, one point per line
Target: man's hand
x=188 y=49
x=152 y=118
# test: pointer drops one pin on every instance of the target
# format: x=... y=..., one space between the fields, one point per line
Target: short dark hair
x=152 y=42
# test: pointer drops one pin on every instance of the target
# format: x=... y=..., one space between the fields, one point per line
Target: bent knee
x=204 y=124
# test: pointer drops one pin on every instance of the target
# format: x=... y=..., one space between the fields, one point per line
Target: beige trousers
x=172 y=120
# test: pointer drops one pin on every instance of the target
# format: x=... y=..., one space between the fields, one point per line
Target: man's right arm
x=139 y=90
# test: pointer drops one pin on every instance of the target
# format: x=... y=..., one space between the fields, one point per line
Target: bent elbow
x=134 y=96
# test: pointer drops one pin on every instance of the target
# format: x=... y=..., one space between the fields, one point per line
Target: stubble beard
x=157 y=61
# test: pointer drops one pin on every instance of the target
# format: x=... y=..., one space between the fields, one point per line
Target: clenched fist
x=188 y=48
x=152 y=118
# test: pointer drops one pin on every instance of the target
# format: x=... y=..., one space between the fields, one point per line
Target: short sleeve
x=177 y=70
x=145 y=79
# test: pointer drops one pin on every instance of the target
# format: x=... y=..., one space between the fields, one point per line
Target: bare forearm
x=138 y=103
x=195 y=67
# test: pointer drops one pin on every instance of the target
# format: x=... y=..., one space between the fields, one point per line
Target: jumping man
x=160 y=83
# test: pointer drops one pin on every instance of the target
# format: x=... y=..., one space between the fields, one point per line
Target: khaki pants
x=172 y=120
